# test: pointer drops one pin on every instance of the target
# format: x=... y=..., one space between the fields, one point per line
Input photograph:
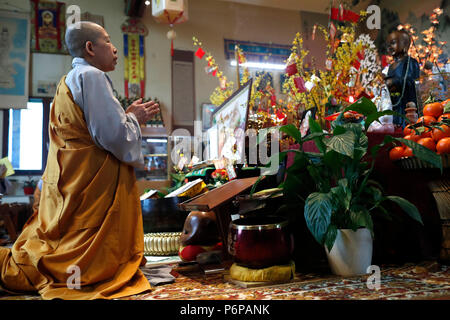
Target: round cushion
x=273 y=273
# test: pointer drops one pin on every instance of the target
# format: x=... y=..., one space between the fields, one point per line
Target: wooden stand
x=219 y=200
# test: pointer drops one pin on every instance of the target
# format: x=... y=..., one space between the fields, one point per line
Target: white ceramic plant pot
x=351 y=253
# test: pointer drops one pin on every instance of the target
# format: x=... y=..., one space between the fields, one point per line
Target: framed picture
x=230 y=120
x=44 y=80
x=207 y=111
x=14 y=59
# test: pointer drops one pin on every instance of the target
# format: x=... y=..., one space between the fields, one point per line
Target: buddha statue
x=401 y=75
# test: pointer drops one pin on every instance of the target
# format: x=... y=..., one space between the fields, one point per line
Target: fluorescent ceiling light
x=260 y=65
x=157 y=140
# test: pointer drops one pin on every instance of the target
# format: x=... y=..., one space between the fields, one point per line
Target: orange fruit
x=408 y=152
x=412 y=137
x=396 y=153
x=428 y=143
x=444 y=116
x=443 y=145
x=426 y=119
x=426 y=133
x=444 y=103
x=438 y=134
x=407 y=130
x=434 y=109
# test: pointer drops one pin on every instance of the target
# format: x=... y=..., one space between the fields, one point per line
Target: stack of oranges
x=436 y=138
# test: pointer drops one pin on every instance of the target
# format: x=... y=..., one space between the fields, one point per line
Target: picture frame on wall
x=14 y=59
x=230 y=120
x=44 y=80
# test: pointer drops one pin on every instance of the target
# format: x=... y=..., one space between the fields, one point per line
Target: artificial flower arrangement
x=219 y=176
x=351 y=71
x=265 y=109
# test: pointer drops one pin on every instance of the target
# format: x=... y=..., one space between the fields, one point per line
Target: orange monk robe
x=89 y=217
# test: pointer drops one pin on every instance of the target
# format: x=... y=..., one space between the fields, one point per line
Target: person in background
x=401 y=75
x=86 y=242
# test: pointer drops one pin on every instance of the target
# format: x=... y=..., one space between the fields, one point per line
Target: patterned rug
x=424 y=281
x=428 y=280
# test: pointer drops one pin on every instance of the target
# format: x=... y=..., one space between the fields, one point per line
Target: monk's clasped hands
x=143 y=111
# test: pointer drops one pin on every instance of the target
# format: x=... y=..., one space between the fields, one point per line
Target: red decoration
x=332 y=31
x=214 y=73
x=300 y=84
x=291 y=69
x=351 y=16
x=280 y=115
x=384 y=61
x=356 y=64
x=363 y=94
x=360 y=54
x=273 y=100
x=200 y=53
x=344 y=15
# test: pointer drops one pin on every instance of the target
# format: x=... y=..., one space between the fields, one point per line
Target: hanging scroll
x=134 y=69
x=48 y=20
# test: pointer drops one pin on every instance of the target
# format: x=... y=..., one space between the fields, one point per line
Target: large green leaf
x=407 y=206
x=362 y=218
x=292 y=131
x=318 y=209
x=330 y=237
x=342 y=195
x=333 y=161
x=364 y=106
x=423 y=153
x=343 y=143
x=314 y=126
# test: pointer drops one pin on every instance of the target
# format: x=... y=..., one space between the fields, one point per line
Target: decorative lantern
x=170 y=12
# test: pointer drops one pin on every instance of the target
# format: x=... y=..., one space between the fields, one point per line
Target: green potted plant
x=335 y=190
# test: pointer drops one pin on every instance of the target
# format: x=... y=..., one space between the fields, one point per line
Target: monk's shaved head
x=78 y=34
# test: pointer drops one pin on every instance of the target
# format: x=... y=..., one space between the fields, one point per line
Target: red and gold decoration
x=225 y=88
x=133 y=46
x=48 y=20
x=170 y=12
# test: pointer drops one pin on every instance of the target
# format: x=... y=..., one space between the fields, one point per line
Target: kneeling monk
x=86 y=240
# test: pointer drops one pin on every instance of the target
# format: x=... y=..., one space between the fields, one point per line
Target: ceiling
x=319 y=6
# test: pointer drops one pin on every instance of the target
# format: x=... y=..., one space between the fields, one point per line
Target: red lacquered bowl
x=260 y=242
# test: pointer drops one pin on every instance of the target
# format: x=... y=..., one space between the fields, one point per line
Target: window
x=25 y=136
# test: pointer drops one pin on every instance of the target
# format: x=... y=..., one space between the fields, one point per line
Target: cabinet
x=155 y=151
x=155 y=148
